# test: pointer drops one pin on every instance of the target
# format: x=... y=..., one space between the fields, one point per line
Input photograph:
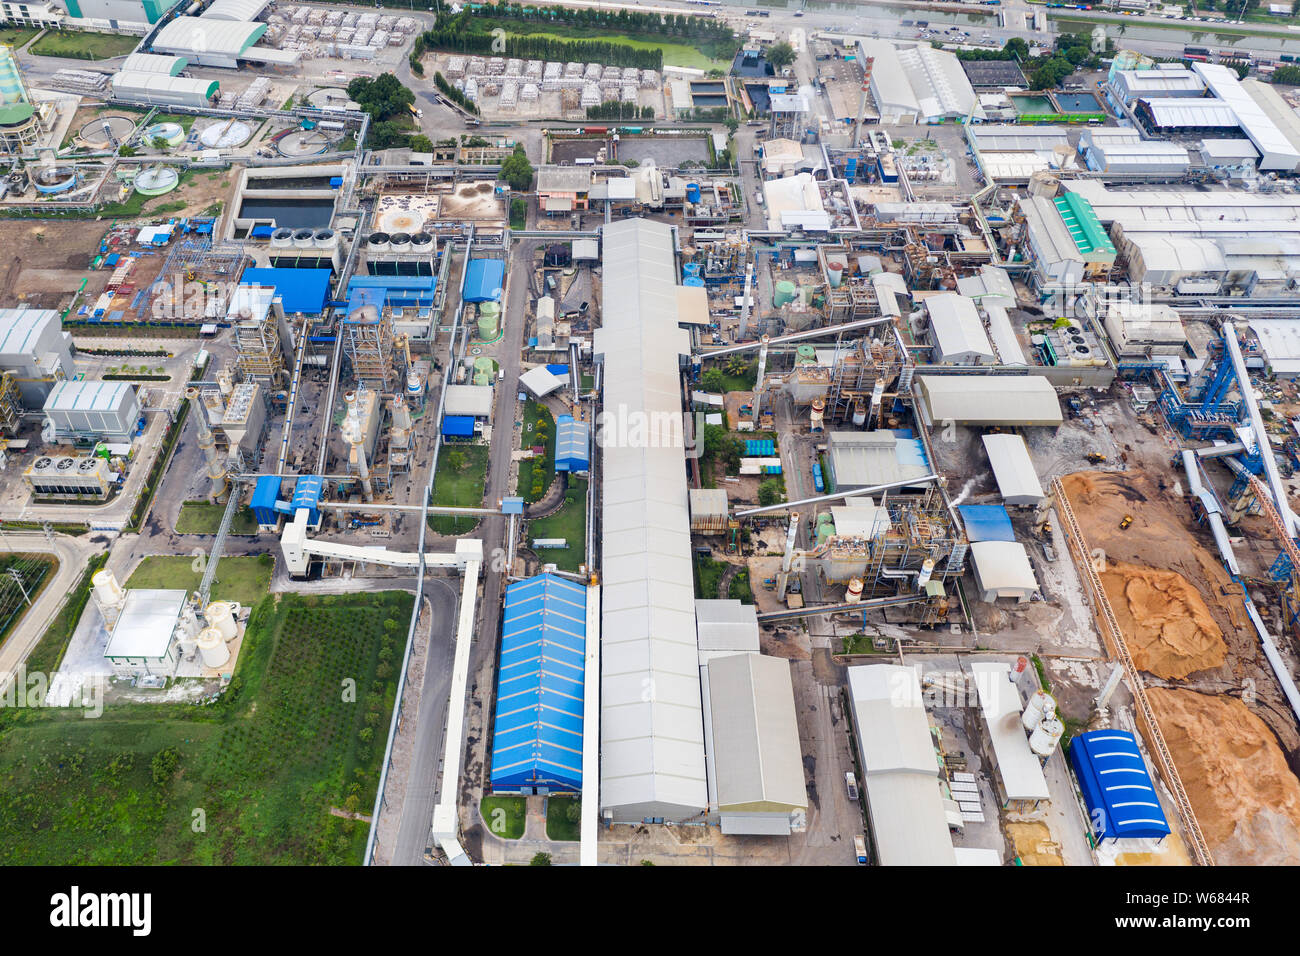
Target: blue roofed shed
x=987 y=523
x=299 y=290
x=537 y=737
x=458 y=426
x=266 y=492
x=484 y=279
x=396 y=292
x=306 y=494
x=572 y=444
x=1117 y=787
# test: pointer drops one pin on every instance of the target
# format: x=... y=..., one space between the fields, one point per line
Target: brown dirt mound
x=1167 y=626
x=1246 y=799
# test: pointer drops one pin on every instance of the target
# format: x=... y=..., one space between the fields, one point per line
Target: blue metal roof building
x=458 y=426
x=987 y=523
x=572 y=445
x=537 y=737
x=306 y=494
x=484 y=279
x=396 y=292
x=266 y=494
x=299 y=290
x=1116 y=786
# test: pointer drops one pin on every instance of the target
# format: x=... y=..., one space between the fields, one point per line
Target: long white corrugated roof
x=1276 y=149
x=235 y=9
x=1176 y=112
x=131 y=82
x=991 y=399
x=1013 y=468
x=956 y=328
x=920 y=79
x=199 y=35
x=1021 y=773
x=652 y=729
x=154 y=63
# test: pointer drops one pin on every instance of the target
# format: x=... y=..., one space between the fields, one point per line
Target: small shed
x=572 y=445
x=458 y=426
x=1014 y=470
x=1002 y=570
x=1117 y=787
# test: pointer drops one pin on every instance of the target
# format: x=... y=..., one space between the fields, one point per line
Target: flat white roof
x=956 y=328
x=146 y=623
x=1276 y=150
x=1003 y=566
x=1021 y=773
x=991 y=399
x=1014 y=469
x=475 y=400
x=891 y=720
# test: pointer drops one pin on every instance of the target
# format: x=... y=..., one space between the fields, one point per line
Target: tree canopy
x=780 y=55
x=383 y=97
x=517 y=170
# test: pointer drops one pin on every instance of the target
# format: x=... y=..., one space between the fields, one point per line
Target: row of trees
x=620 y=21
x=461 y=35
x=389 y=104
x=618 y=110
x=453 y=94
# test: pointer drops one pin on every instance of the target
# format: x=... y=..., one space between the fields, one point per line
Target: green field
x=558 y=825
x=530 y=468
x=570 y=523
x=459 y=487
x=243 y=579
x=249 y=780
x=739 y=588
x=84 y=46
x=202 y=517
x=504 y=816
x=675 y=54
x=16 y=37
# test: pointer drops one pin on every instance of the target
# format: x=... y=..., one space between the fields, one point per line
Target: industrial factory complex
x=841 y=457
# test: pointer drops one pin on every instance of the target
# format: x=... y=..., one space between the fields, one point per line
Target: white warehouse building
x=35 y=348
x=91 y=411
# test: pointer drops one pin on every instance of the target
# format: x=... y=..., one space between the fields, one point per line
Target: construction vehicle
x=1095 y=457
x=1125 y=522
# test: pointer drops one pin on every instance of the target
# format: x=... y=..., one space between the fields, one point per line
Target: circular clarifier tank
x=301 y=142
x=55 y=179
x=227 y=134
x=107 y=130
x=171 y=134
x=156 y=180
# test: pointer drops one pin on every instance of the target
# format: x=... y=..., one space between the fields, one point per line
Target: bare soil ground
x=43 y=263
x=1169 y=630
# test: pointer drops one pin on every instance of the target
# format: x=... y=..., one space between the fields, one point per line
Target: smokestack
x=216 y=467
x=742 y=333
x=787 y=559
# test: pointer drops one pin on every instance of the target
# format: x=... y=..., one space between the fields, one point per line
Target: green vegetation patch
x=708 y=574
x=202 y=517
x=22 y=577
x=504 y=816
x=536 y=474
x=243 y=579
x=459 y=483
x=563 y=819
x=47 y=655
x=84 y=46
x=569 y=523
x=249 y=780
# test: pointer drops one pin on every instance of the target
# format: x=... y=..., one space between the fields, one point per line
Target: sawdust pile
x=1246 y=799
x=1167 y=626
x=1034 y=845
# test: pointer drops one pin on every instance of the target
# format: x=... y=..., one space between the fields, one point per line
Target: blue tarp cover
x=300 y=290
x=987 y=523
x=559 y=371
x=1116 y=786
x=458 y=426
x=910 y=451
x=760 y=447
x=537 y=738
x=484 y=280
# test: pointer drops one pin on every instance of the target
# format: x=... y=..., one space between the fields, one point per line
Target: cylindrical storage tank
x=303 y=238
x=835 y=272
x=1046 y=736
x=785 y=293
x=282 y=238
x=927 y=571
x=377 y=240
x=693 y=192
x=107 y=590
x=806 y=355
x=859 y=414
x=825 y=527
x=817 y=417
x=326 y=239
x=423 y=242
x=221 y=615
x=484 y=371
x=854 y=594
x=399 y=241
x=489 y=320
x=212 y=647
x=1040 y=705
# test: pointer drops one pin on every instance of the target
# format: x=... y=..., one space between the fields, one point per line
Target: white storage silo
x=1040 y=705
x=1046 y=736
x=212 y=647
x=221 y=615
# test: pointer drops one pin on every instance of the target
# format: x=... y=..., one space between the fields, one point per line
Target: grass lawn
x=558 y=825
x=34 y=571
x=708 y=573
x=529 y=469
x=183 y=119
x=16 y=37
x=504 y=816
x=243 y=579
x=518 y=213
x=570 y=523
x=84 y=46
x=681 y=52
x=459 y=488
x=740 y=589
x=202 y=517
x=249 y=780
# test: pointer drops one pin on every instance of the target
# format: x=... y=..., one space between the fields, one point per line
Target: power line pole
x=18 y=580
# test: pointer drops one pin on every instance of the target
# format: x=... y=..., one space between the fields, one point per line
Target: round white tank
x=817 y=414
x=107 y=590
x=854 y=594
x=1046 y=736
x=927 y=570
x=859 y=415
x=413 y=384
x=212 y=647
x=221 y=615
x=1040 y=705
